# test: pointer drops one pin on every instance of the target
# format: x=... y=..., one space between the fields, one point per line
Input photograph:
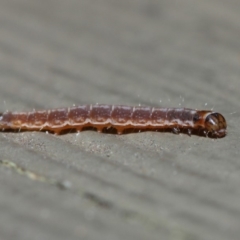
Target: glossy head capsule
x=216 y=124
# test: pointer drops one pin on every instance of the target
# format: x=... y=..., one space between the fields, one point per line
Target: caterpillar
x=120 y=117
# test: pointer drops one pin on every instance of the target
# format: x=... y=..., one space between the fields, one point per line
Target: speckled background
x=102 y=186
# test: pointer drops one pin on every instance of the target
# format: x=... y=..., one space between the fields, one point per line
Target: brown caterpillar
x=120 y=117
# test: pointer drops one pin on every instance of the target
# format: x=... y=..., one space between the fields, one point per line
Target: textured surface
x=138 y=186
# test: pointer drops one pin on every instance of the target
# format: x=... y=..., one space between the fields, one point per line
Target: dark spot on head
x=216 y=115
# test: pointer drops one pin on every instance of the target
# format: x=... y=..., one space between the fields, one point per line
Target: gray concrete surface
x=138 y=186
